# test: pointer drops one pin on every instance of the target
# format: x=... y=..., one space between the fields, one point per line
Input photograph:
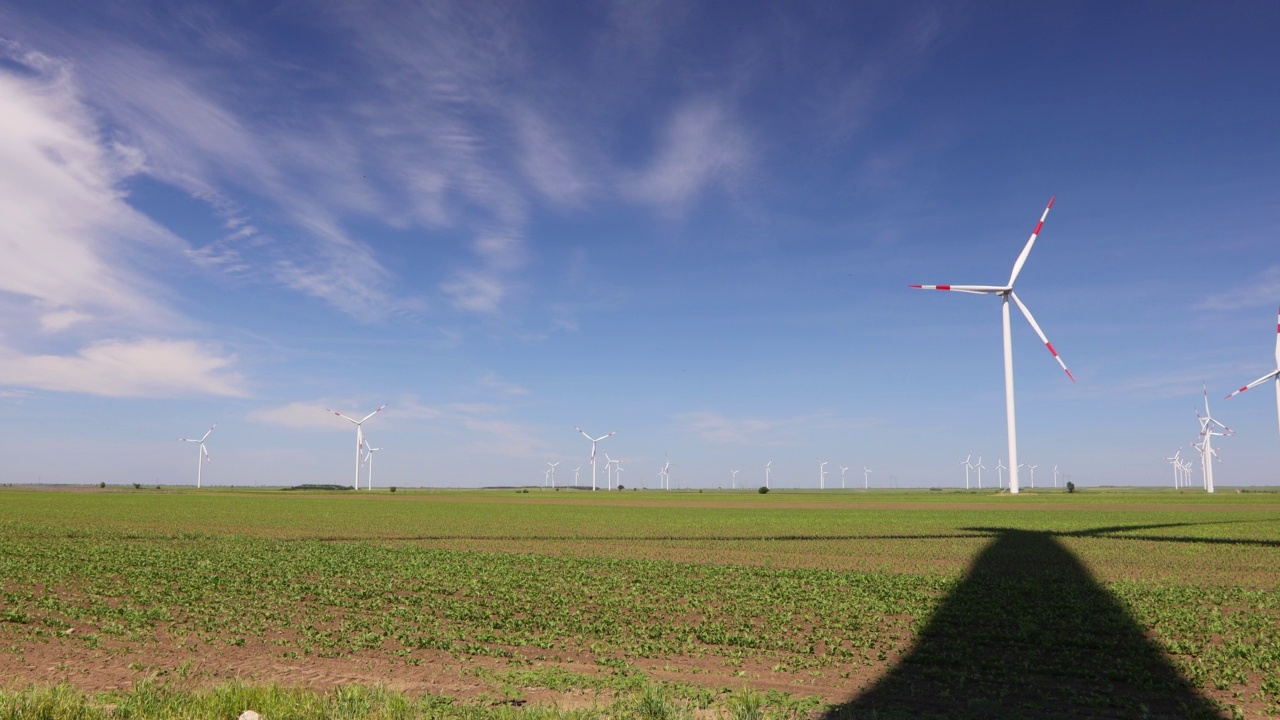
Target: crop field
x=176 y=603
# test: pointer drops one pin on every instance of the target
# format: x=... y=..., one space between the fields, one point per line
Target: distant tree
x=137 y=486
x=102 y=484
x=620 y=487
x=1071 y=487
x=763 y=490
x=393 y=488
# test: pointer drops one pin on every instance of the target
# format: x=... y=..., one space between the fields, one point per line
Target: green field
x=639 y=604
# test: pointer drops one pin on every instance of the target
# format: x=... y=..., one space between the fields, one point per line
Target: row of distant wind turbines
x=1000 y=468
x=1209 y=426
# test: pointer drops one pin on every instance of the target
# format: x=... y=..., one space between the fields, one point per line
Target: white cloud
x=120 y=368
x=715 y=427
x=68 y=233
x=492 y=381
x=1263 y=290
x=702 y=146
x=309 y=415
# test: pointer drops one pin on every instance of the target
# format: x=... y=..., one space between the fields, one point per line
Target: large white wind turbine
x=593 y=452
x=368 y=459
x=967 y=468
x=1006 y=292
x=1273 y=375
x=1209 y=428
x=359 y=436
x=766 y=473
x=608 y=467
x=553 y=471
x=1055 y=475
x=202 y=453
x=980 y=467
x=822 y=474
x=734 y=473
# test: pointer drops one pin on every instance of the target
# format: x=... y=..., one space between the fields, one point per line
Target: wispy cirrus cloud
x=73 y=245
x=719 y=428
x=1262 y=290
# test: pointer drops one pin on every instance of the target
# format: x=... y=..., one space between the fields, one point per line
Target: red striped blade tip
x=1051 y=199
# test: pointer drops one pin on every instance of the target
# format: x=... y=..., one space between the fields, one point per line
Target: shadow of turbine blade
x=1029 y=633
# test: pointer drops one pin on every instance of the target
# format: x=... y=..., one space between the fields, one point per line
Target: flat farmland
x=647 y=604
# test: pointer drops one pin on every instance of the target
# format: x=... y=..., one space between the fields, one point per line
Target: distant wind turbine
x=1207 y=432
x=359 y=436
x=1176 y=462
x=766 y=473
x=866 y=477
x=368 y=459
x=967 y=468
x=1032 y=468
x=202 y=453
x=608 y=466
x=843 y=470
x=575 y=475
x=1273 y=375
x=1000 y=468
x=734 y=473
x=1055 y=475
x=553 y=471
x=593 y=452
x=980 y=467
x=822 y=474
x=1006 y=292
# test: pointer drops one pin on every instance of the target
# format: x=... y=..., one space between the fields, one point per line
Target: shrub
x=102 y=484
x=1071 y=487
x=393 y=488
x=620 y=487
x=137 y=486
x=763 y=490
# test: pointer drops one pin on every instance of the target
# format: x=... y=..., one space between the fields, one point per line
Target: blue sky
x=690 y=223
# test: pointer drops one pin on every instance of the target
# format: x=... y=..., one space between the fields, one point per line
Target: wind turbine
x=866 y=477
x=843 y=470
x=822 y=474
x=619 y=483
x=664 y=475
x=368 y=459
x=980 y=467
x=1186 y=473
x=1055 y=474
x=608 y=466
x=1273 y=375
x=553 y=471
x=359 y=436
x=1032 y=468
x=593 y=452
x=1006 y=292
x=1208 y=431
x=575 y=475
x=1000 y=468
x=967 y=468
x=766 y=473
x=735 y=478
x=1176 y=462
x=202 y=453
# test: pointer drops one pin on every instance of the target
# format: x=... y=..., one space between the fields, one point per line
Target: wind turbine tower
x=734 y=473
x=980 y=467
x=843 y=470
x=593 y=452
x=202 y=454
x=822 y=474
x=967 y=468
x=866 y=477
x=1005 y=293
x=766 y=473
x=552 y=467
x=359 y=436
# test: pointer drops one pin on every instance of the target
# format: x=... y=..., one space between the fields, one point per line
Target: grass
x=640 y=602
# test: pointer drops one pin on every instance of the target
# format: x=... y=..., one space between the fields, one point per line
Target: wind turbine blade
x=1022 y=259
x=584 y=434
x=375 y=412
x=206 y=453
x=1036 y=327
x=979 y=289
x=605 y=436
x=344 y=417
x=206 y=435
x=1257 y=382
